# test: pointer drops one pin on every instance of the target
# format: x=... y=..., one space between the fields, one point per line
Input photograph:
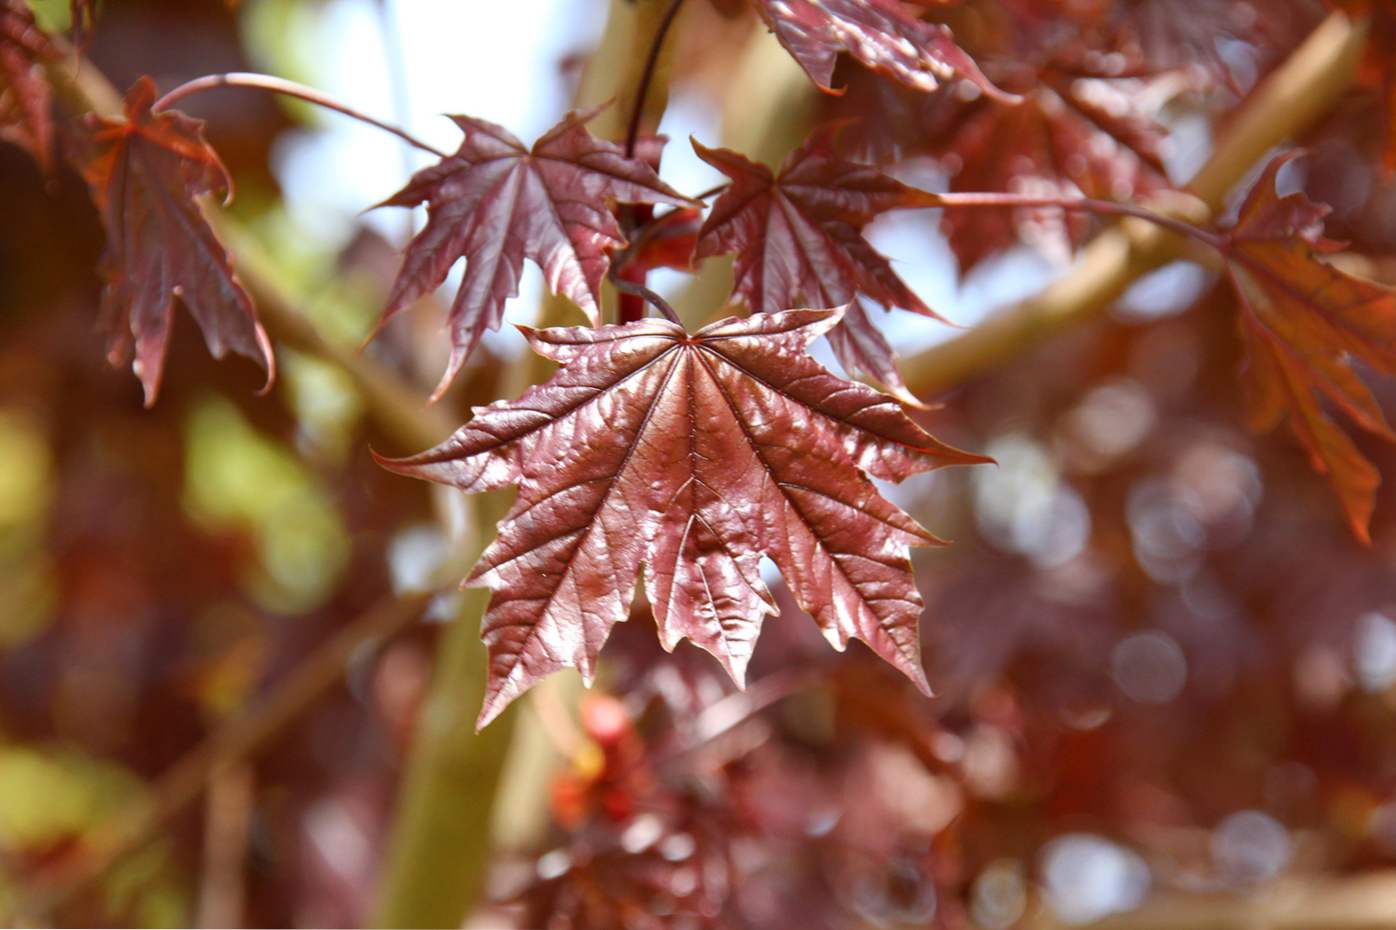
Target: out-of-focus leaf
x=1071 y=136
x=1304 y=323
x=1377 y=73
x=26 y=100
x=238 y=480
x=145 y=172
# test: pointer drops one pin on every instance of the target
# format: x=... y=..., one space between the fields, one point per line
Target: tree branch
x=1293 y=96
x=1350 y=902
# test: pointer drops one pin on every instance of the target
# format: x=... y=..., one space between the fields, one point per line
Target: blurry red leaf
x=667 y=241
x=692 y=456
x=1304 y=323
x=145 y=173
x=1165 y=34
x=26 y=99
x=1377 y=72
x=495 y=203
x=879 y=33
x=1071 y=136
x=798 y=241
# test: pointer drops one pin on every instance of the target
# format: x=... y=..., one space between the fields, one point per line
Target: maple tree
x=1127 y=597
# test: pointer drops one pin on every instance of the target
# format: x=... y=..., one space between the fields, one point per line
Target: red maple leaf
x=26 y=99
x=145 y=173
x=1071 y=136
x=798 y=240
x=495 y=203
x=692 y=456
x=878 y=33
x=1304 y=323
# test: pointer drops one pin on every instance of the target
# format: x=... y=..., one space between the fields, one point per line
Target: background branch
x=175 y=790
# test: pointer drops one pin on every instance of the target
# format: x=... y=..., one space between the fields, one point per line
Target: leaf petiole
x=639 y=290
x=632 y=130
x=1084 y=205
x=287 y=88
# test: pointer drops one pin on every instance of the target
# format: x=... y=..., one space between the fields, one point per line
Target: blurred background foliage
x=1163 y=665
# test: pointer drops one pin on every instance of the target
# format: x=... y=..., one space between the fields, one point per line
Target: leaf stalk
x=1082 y=205
x=632 y=129
x=636 y=289
x=287 y=88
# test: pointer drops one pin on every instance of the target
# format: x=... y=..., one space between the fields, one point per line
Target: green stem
x=439 y=848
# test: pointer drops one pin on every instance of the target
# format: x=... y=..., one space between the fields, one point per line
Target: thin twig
x=647 y=295
x=632 y=130
x=1083 y=205
x=287 y=88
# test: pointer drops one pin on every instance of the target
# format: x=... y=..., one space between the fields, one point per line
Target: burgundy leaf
x=798 y=241
x=495 y=203
x=692 y=456
x=1304 y=323
x=878 y=33
x=146 y=172
x=26 y=99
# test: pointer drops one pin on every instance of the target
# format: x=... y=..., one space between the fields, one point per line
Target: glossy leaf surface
x=692 y=456
x=879 y=33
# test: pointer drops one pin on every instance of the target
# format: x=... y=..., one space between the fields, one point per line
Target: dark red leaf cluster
x=1073 y=135
x=798 y=240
